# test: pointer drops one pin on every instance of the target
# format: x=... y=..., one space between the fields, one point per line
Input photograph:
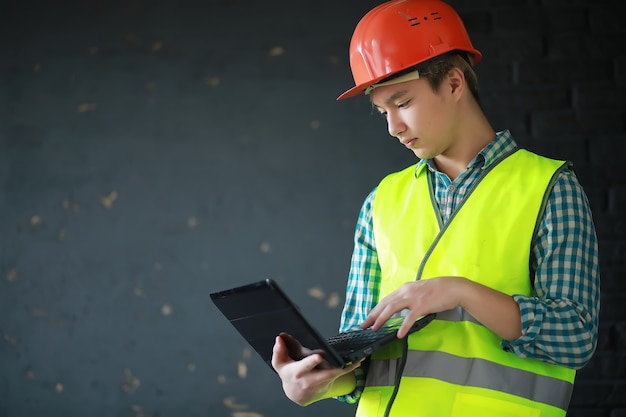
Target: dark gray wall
x=152 y=152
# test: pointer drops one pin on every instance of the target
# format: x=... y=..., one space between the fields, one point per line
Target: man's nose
x=395 y=125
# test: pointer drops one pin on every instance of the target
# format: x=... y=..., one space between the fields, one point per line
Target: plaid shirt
x=560 y=319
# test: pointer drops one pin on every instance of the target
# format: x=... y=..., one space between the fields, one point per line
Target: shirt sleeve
x=560 y=320
x=363 y=285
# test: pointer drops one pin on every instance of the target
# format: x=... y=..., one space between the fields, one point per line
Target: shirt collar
x=500 y=145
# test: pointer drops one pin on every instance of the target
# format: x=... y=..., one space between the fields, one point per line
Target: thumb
x=280 y=356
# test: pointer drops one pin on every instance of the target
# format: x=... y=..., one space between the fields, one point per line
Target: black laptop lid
x=261 y=311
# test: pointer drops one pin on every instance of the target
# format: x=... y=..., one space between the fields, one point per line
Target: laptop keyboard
x=355 y=339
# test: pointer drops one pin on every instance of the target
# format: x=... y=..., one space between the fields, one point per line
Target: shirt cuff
x=532 y=318
x=353 y=397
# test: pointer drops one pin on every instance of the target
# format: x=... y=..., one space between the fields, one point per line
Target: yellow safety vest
x=455 y=366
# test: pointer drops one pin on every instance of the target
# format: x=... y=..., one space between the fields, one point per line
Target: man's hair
x=437 y=71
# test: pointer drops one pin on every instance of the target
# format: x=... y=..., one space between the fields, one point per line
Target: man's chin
x=422 y=153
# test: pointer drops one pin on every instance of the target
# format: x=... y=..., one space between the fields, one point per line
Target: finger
x=286 y=356
x=280 y=357
x=294 y=348
x=314 y=351
x=310 y=362
x=372 y=316
x=384 y=315
x=369 y=320
x=325 y=365
x=405 y=327
x=290 y=341
x=408 y=322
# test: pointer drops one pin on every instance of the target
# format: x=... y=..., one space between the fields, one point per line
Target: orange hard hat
x=401 y=34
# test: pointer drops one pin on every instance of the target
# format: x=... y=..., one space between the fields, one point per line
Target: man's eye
x=404 y=104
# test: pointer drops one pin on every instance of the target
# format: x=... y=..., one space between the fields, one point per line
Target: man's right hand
x=310 y=378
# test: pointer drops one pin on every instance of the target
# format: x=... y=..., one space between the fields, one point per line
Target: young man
x=496 y=240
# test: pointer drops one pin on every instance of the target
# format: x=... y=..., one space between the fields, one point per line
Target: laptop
x=262 y=310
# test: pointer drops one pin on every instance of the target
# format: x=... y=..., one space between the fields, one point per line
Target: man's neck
x=473 y=136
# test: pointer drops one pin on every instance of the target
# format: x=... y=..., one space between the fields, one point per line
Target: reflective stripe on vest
x=482 y=373
x=455 y=366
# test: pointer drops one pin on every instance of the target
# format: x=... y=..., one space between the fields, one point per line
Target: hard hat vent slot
x=415 y=21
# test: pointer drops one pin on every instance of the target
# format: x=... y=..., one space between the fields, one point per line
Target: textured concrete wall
x=152 y=152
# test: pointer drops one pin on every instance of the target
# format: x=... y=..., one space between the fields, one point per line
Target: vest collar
x=499 y=146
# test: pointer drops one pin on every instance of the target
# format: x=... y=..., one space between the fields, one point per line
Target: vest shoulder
x=527 y=160
x=533 y=156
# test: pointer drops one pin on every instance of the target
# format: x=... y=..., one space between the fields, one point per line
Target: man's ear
x=456 y=81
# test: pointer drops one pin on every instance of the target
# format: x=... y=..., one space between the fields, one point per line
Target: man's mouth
x=411 y=143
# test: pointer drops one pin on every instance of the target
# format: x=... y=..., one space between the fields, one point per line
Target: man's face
x=421 y=119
